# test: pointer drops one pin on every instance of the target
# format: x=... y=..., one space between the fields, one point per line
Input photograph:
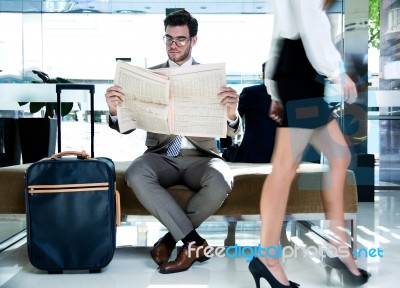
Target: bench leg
x=230 y=239
x=231 y=235
x=285 y=241
x=353 y=236
x=124 y=218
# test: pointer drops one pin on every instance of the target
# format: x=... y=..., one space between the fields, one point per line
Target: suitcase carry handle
x=80 y=154
x=117 y=208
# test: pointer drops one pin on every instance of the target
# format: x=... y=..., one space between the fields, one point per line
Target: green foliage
x=374 y=24
x=50 y=107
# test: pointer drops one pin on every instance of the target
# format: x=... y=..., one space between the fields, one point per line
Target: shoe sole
x=201 y=259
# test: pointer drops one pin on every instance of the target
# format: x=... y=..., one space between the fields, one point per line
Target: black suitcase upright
x=71 y=211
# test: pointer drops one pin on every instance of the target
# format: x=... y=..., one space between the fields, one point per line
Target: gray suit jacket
x=156 y=142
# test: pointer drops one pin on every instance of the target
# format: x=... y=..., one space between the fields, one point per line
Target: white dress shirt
x=305 y=19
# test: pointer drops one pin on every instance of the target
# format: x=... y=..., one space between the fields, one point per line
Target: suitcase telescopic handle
x=80 y=154
x=67 y=86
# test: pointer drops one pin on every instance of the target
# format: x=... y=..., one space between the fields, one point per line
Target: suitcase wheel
x=95 y=270
x=55 y=272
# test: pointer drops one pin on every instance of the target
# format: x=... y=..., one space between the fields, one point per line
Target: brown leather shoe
x=163 y=248
x=185 y=258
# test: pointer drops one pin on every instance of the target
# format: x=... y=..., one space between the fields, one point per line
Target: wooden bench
x=304 y=201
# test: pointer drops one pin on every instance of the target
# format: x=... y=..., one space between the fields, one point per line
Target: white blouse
x=305 y=19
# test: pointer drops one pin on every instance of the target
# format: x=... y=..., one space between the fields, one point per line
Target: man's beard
x=183 y=57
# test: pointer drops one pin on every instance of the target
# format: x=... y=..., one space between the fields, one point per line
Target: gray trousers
x=150 y=174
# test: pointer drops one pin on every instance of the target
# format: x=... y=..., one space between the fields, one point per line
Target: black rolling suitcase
x=71 y=206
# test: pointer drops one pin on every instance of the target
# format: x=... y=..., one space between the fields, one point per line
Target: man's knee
x=136 y=173
x=133 y=173
x=220 y=188
x=221 y=181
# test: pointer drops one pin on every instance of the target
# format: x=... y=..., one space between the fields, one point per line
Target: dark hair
x=182 y=18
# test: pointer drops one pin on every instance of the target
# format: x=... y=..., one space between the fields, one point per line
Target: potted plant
x=10 y=149
x=38 y=135
x=50 y=107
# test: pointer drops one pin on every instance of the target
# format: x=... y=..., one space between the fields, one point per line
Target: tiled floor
x=378 y=227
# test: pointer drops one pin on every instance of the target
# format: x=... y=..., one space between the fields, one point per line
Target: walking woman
x=302 y=57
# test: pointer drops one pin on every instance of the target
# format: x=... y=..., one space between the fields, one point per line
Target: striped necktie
x=174 y=146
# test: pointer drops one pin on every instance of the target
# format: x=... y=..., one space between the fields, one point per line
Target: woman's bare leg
x=275 y=191
x=332 y=143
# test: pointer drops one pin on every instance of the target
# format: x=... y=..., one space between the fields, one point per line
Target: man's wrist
x=113 y=118
x=233 y=123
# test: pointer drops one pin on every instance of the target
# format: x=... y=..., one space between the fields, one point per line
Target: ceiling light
x=129 y=12
x=59 y=6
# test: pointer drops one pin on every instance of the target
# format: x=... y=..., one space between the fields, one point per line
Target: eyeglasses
x=180 y=41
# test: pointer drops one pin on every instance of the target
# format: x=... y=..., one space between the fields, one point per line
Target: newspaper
x=176 y=100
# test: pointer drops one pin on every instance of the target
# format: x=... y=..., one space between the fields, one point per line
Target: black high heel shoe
x=258 y=270
x=347 y=277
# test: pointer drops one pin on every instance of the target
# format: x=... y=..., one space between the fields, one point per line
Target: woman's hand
x=276 y=111
x=347 y=88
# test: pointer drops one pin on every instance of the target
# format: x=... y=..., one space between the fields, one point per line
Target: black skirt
x=300 y=88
